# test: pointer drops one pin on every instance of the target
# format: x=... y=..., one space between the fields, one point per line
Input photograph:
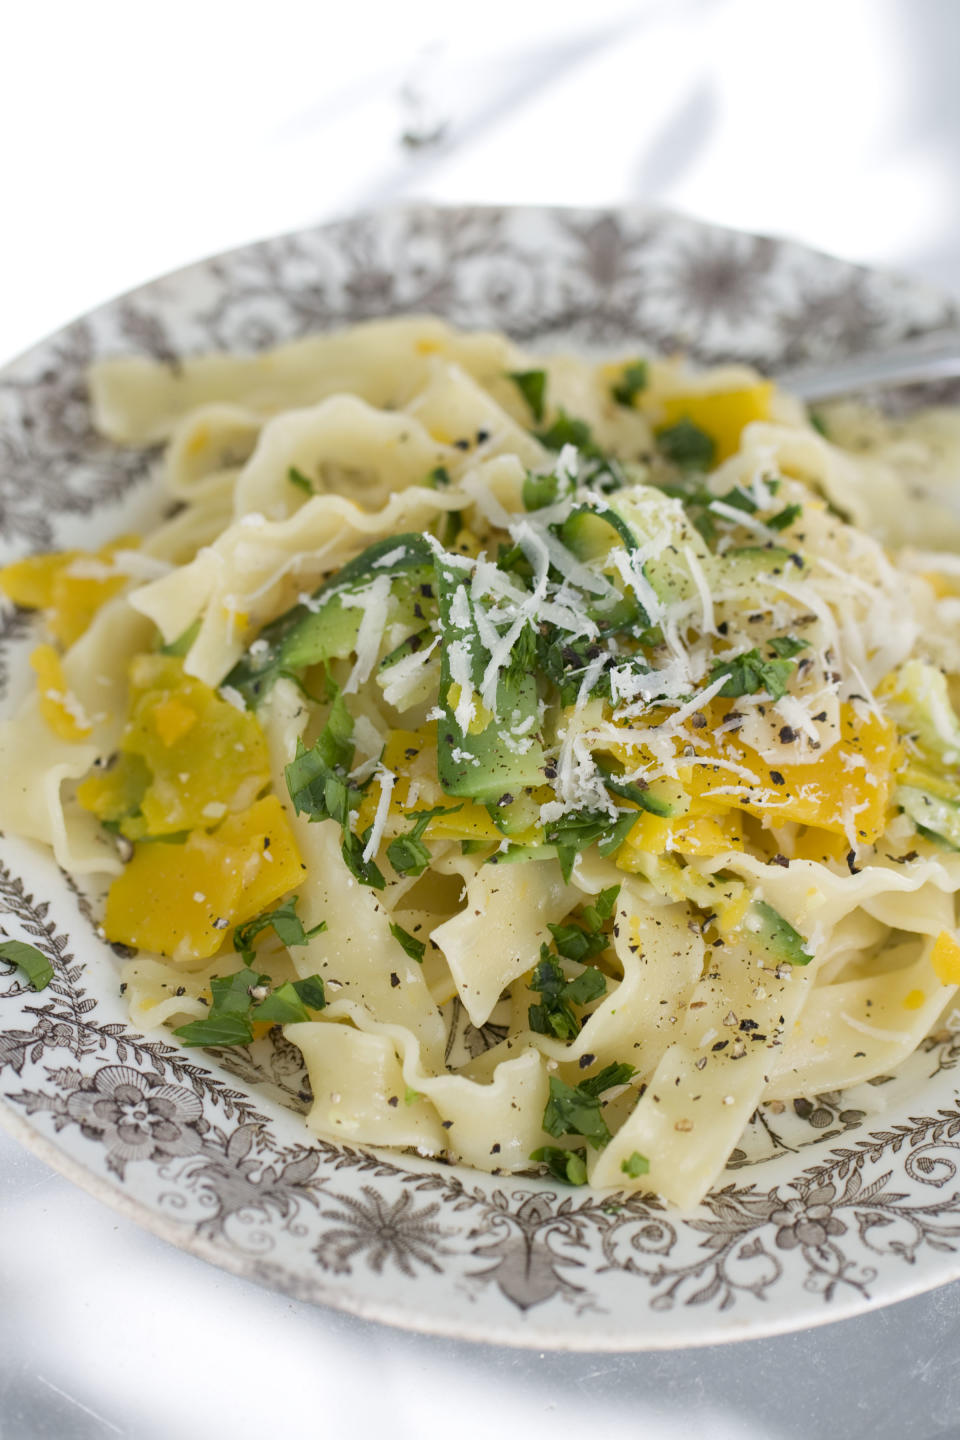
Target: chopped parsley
x=575 y=1109
x=532 y=385
x=285 y=922
x=30 y=960
x=566 y=1165
x=687 y=446
x=631 y=382
x=415 y=948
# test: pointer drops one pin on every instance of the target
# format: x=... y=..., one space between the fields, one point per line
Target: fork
x=914 y=362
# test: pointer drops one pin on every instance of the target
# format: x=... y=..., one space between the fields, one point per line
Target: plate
x=827 y=1208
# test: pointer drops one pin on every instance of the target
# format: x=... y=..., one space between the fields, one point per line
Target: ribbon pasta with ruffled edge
x=562 y=752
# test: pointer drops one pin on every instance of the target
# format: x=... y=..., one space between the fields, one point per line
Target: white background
x=137 y=138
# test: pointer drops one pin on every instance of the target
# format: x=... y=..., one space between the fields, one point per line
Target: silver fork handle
x=925 y=359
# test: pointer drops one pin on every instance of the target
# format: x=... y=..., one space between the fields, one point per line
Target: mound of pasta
x=563 y=753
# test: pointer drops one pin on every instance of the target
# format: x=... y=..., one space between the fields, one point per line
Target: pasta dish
x=562 y=752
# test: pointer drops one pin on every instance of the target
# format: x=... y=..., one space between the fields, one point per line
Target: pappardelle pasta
x=562 y=752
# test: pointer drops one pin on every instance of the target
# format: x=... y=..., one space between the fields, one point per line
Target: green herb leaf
x=183 y=642
x=411 y=1096
x=819 y=424
x=602 y=908
x=438 y=478
x=555 y=1016
x=749 y=673
x=285 y=922
x=687 y=446
x=632 y=381
x=635 y=1164
x=30 y=960
x=317 y=778
x=407 y=853
x=579 y=829
x=575 y=1110
x=575 y=943
x=786 y=646
x=785 y=517
x=617 y=1073
x=532 y=385
x=366 y=871
x=225 y=1029
x=302 y=482
x=231 y=993
x=566 y=430
x=566 y=1165
x=415 y=948
x=284 y=1006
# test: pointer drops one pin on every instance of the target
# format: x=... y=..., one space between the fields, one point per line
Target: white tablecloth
x=138 y=139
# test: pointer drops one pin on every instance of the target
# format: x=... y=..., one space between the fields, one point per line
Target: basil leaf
x=288 y=1003
x=416 y=949
x=225 y=1029
x=30 y=960
x=532 y=385
x=231 y=993
x=565 y=1165
x=407 y=853
x=285 y=922
x=748 y=673
x=786 y=646
x=579 y=829
x=366 y=871
x=571 y=1110
x=573 y=943
x=589 y=985
x=616 y=1074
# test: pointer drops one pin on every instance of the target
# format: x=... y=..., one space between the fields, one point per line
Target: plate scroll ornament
x=828 y=1206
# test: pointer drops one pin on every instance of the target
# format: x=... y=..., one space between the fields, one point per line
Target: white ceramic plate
x=826 y=1209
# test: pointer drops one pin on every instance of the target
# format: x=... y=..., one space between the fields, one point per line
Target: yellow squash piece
x=187 y=756
x=848 y=788
x=704 y=834
x=181 y=899
x=59 y=707
x=70 y=585
x=945 y=959
x=722 y=415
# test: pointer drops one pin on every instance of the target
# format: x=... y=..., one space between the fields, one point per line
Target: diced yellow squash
x=850 y=786
x=945 y=959
x=820 y=845
x=59 y=707
x=203 y=756
x=722 y=414
x=690 y=834
x=181 y=899
x=914 y=1000
x=70 y=585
